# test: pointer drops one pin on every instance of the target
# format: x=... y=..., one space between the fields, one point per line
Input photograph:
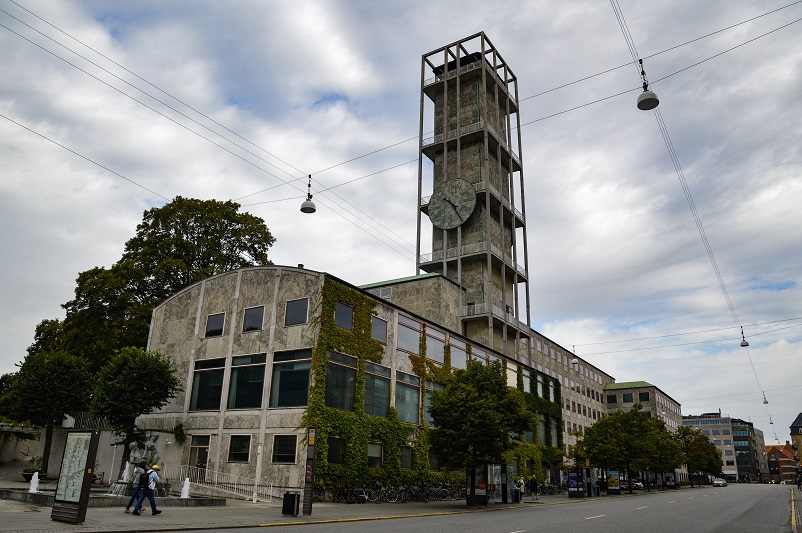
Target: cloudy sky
x=110 y=108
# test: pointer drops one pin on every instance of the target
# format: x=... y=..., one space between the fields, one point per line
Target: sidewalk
x=26 y=517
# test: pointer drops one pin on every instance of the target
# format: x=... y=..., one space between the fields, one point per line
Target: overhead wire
x=686 y=189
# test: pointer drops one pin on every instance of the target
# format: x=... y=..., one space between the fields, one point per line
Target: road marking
x=692 y=497
x=597 y=516
x=645 y=507
x=673 y=501
x=519 y=531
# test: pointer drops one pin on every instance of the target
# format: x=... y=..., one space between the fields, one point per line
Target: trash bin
x=516 y=496
x=290 y=504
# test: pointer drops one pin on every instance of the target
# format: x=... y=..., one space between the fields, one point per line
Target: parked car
x=718 y=482
x=637 y=484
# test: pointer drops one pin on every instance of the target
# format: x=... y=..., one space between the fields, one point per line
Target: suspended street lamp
x=744 y=342
x=647 y=99
x=308 y=206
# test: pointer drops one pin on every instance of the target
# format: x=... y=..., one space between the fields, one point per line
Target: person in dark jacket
x=138 y=471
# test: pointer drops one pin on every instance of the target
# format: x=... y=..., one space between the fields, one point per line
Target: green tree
x=134 y=382
x=48 y=337
x=476 y=415
x=176 y=245
x=6 y=382
x=701 y=455
x=47 y=386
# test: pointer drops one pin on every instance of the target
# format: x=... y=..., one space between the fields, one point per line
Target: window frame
x=231 y=447
x=274 y=453
x=261 y=360
x=380 y=456
x=287 y=312
x=373 y=322
x=275 y=387
x=206 y=334
x=343 y=363
x=342 y=316
x=198 y=374
x=245 y=319
x=339 y=459
x=374 y=373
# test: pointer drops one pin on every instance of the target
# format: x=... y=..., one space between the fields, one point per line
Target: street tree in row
x=134 y=382
x=701 y=455
x=476 y=416
x=47 y=386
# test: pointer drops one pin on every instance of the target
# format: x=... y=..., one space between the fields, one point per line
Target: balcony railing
x=466 y=68
x=212 y=483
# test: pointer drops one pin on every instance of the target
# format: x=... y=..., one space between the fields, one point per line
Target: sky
x=108 y=109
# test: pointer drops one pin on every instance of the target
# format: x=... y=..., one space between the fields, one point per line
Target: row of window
x=628 y=397
x=285 y=446
x=296 y=312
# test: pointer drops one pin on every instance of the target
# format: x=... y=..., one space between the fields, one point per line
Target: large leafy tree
x=476 y=415
x=176 y=245
x=701 y=455
x=134 y=382
x=47 y=386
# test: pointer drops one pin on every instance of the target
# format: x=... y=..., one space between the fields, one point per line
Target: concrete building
x=654 y=401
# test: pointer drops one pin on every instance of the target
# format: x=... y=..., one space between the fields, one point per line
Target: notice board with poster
x=75 y=478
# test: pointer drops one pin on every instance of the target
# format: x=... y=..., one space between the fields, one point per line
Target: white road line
x=673 y=501
x=692 y=497
x=519 y=531
x=645 y=507
x=597 y=516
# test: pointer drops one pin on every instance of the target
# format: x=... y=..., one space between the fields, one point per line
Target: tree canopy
x=176 y=245
x=628 y=440
x=701 y=455
x=134 y=382
x=476 y=416
x=48 y=386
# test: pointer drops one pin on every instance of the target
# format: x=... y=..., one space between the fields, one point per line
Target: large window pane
x=239 y=449
x=214 y=325
x=459 y=357
x=296 y=312
x=379 y=330
x=340 y=382
x=435 y=349
x=290 y=385
x=430 y=387
x=252 y=319
x=408 y=339
x=284 y=448
x=374 y=455
x=344 y=316
x=406 y=458
x=407 y=400
x=247 y=382
x=207 y=385
x=336 y=453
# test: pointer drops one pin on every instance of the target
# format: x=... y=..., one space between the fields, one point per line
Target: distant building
x=655 y=402
x=782 y=463
x=741 y=445
x=796 y=441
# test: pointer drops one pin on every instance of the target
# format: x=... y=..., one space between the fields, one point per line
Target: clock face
x=451 y=204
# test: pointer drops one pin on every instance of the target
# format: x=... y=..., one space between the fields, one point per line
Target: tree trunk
x=47 y=445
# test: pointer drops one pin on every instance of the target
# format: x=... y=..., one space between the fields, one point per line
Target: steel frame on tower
x=475 y=138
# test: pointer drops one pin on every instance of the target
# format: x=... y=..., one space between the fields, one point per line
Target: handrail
x=209 y=482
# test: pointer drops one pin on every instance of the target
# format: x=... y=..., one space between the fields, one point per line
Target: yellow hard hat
x=155 y=467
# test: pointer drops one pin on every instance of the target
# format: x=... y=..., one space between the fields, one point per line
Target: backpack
x=144 y=479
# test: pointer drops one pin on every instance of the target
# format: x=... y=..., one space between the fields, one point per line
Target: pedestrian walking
x=148 y=489
x=139 y=470
x=799 y=483
x=533 y=486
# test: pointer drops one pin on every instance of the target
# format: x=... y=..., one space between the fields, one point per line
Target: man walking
x=149 y=491
x=138 y=471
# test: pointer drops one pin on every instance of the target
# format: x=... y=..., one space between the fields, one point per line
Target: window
x=214 y=325
x=436 y=346
x=407 y=397
x=374 y=455
x=340 y=381
x=552 y=387
x=406 y=458
x=290 y=385
x=382 y=292
x=541 y=429
x=705 y=432
x=344 y=316
x=727 y=442
x=431 y=386
x=643 y=396
x=459 y=355
x=716 y=432
x=247 y=381
x=296 y=312
x=512 y=375
x=554 y=432
x=627 y=397
x=540 y=391
x=284 y=448
x=379 y=330
x=252 y=319
x=730 y=463
x=717 y=442
x=611 y=398
x=527 y=381
x=207 y=384
x=408 y=337
x=336 y=453
x=377 y=389
x=239 y=449
x=725 y=431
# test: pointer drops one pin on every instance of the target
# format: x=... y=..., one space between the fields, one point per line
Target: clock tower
x=471 y=191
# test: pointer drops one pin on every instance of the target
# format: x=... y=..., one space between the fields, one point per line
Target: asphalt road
x=732 y=509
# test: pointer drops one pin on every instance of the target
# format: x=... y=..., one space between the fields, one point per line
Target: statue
x=148 y=452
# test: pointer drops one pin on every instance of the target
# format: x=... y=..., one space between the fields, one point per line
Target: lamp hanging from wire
x=308 y=206
x=647 y=99
x=744 y=342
